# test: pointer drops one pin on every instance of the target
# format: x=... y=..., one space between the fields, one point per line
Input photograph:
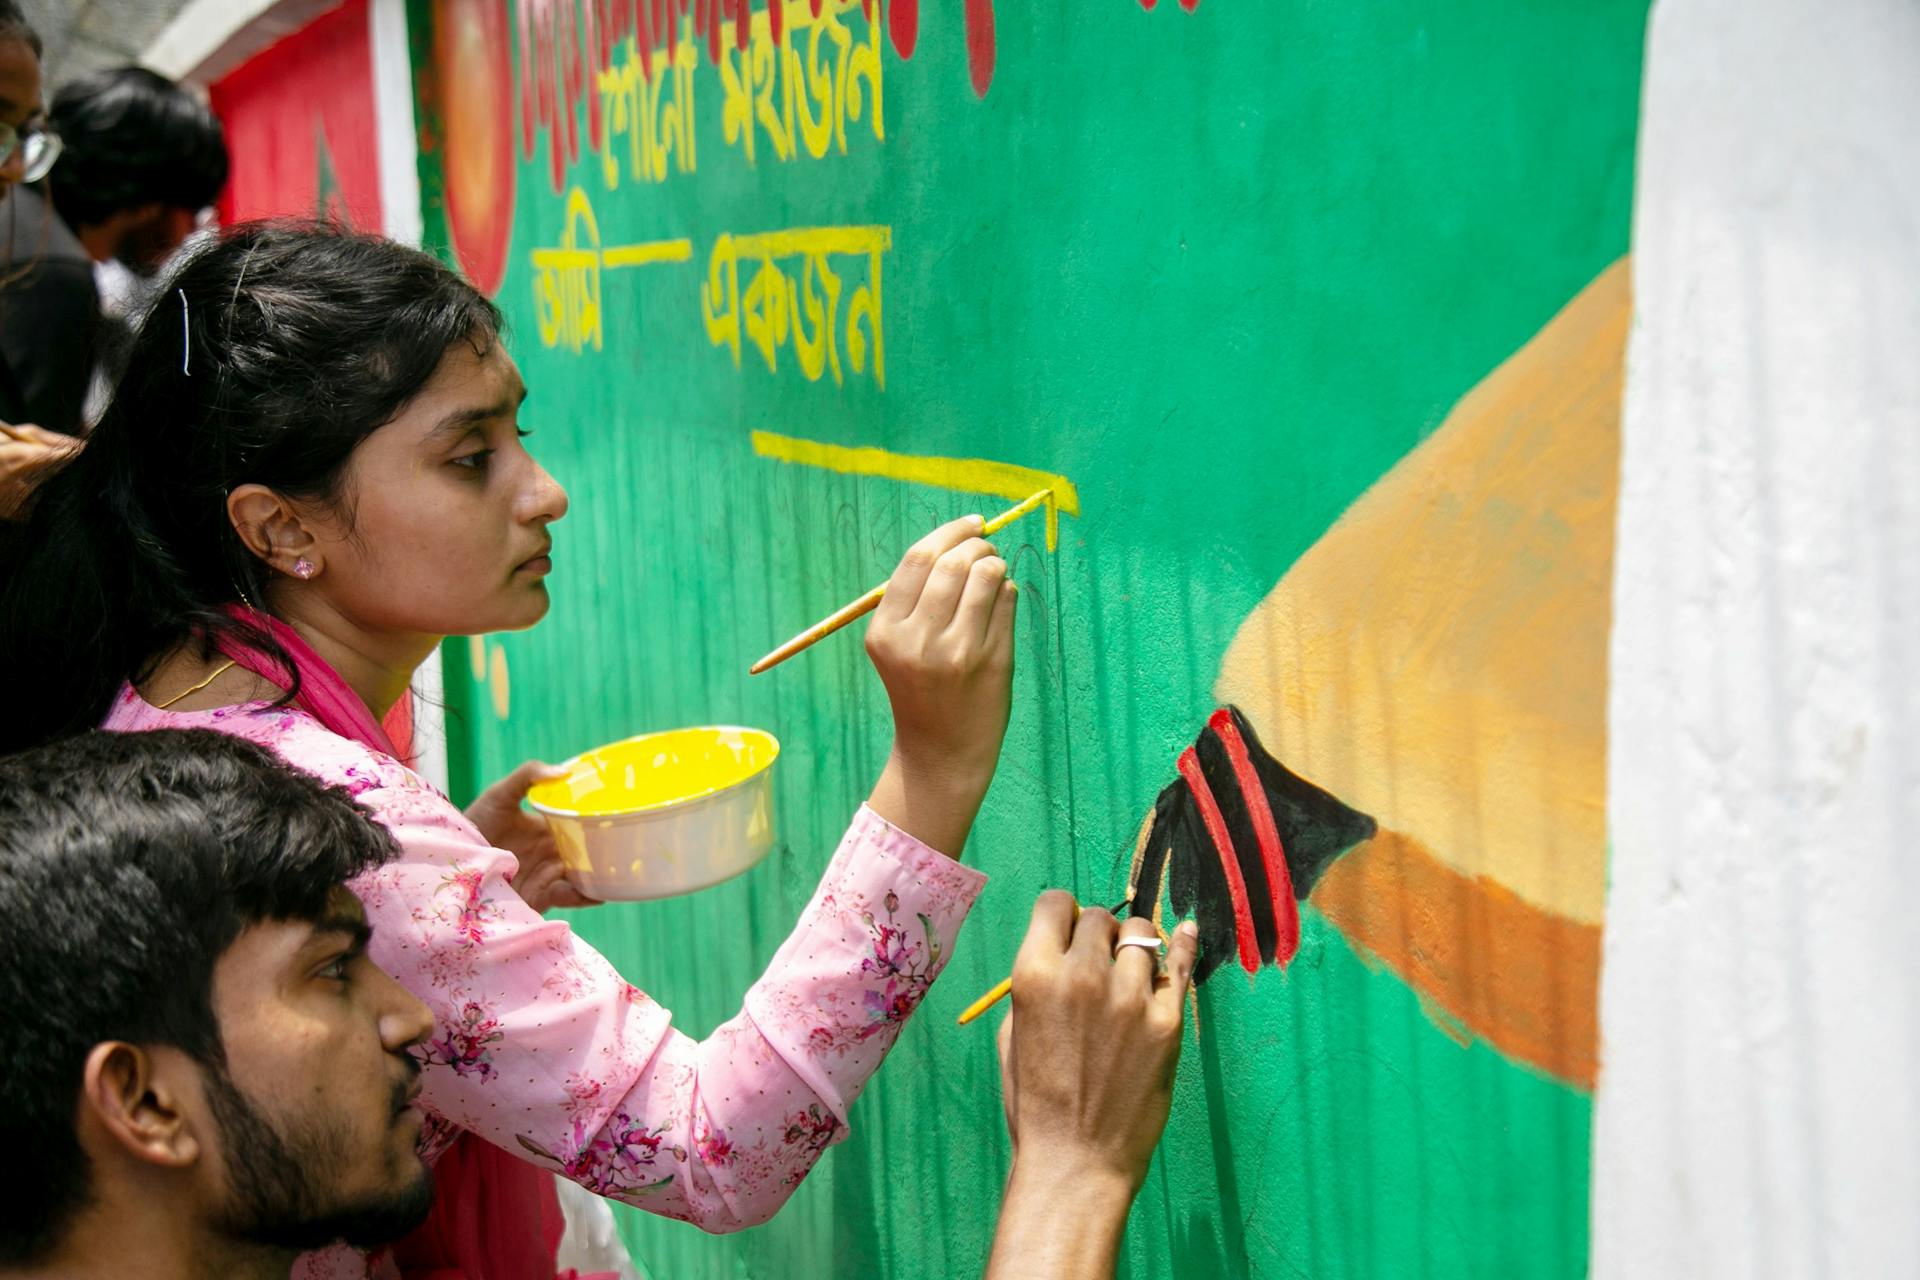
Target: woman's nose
x=546 y=501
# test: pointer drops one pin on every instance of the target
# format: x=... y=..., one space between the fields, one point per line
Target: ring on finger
x=1158 y=946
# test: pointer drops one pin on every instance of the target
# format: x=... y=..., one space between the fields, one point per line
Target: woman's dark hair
x=265 y=358
x=14 y=26
x=131 y=138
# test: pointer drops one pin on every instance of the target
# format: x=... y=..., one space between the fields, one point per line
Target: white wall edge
x=209 y=38
x=393 y=110
x=430 y=721
x=1757 y=1111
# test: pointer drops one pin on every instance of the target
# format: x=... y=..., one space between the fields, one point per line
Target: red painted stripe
x=1273 y=853
x=1223 y=844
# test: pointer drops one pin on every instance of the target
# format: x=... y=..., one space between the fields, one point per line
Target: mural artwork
x=1313 y=318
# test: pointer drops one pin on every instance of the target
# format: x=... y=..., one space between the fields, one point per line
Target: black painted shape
x=1198 y=886
x=1314 y=827
x=1146 y=890
x=1225 y=785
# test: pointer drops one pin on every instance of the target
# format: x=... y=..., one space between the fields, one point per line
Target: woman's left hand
x=24 y=451
x=542 y=880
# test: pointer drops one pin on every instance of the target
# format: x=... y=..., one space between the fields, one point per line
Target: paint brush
x=1002 y=988
x=867 y=603
x=993 y=997
x=999 y=990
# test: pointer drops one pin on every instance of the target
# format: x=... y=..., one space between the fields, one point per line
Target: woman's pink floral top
x=541 y=1047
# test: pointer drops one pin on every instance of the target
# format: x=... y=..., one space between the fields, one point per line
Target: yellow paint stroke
x=1439 y=658
x=646 y=252
x=477 y=657
x=961 y=475
x=566 y=284
x=801 y=101
x=498 y=684
x=655 y=113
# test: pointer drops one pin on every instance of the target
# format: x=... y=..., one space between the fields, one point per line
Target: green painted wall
x=1222 y=269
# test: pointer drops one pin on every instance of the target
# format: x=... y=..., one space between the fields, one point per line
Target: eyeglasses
x=36 y=145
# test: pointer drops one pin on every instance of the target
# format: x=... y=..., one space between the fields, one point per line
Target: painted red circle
x=474 y=66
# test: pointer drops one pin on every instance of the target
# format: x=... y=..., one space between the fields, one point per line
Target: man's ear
x=137 y=1098
x=271 y=528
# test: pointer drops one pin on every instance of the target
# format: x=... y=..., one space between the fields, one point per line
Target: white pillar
x=1759 y=1105
x=393 y=107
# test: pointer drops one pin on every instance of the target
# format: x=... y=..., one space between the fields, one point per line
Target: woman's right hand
x=942 y=641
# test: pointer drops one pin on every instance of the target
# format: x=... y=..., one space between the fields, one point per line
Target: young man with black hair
x=204 y=1074
x=141 y=158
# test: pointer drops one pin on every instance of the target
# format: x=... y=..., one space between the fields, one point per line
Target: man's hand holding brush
x=1087 y=1061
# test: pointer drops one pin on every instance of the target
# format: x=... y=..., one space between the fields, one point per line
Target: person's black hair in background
x=142 y=156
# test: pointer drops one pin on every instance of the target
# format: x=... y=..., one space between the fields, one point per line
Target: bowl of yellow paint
x=663 y=813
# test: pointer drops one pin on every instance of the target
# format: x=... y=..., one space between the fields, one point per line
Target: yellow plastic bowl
x=663 y=813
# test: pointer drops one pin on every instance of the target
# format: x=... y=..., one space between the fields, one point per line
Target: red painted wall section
x=301 y=124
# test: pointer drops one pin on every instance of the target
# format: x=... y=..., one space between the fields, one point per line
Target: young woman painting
x=313 y=471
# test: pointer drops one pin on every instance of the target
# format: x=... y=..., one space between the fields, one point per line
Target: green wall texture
x=1222 y=269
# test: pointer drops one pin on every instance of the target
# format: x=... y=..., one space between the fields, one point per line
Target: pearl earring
x=303 y=568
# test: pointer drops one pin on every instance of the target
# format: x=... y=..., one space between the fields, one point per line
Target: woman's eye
x=337 y=970
x=474 y=461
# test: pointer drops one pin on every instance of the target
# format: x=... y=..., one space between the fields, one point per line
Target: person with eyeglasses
x=29 y=398
x=140 y=160
x=27 y=147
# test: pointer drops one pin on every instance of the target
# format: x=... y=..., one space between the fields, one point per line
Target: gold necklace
x=216 y=674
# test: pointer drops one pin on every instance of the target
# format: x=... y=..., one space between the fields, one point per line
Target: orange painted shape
x=1524 y=980
x=1438 y=659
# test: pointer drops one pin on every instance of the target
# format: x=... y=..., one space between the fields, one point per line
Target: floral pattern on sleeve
x=899 y=970
x=541 y=1047
x=619 y=1159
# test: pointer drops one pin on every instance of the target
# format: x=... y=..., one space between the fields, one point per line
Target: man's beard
x=276 y=1182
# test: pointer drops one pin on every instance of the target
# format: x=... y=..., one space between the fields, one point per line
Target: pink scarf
x=323 y=694
x=495 y=1217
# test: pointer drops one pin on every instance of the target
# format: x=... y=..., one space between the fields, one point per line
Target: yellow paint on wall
x=1439 y=658
x=962 y=475
x=644 y=252
x=498 y=684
